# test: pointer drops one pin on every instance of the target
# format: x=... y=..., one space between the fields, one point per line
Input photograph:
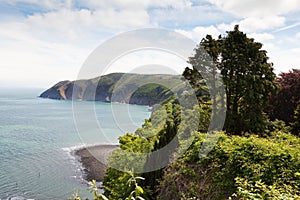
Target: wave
x=83 y=145
x=17 y=198
x=74 y=148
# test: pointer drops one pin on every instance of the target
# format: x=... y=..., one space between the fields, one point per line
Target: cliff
x=138 y=89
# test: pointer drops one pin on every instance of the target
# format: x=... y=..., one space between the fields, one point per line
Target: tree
x=247 y=75
x=285 y=102
x=198 y=83
x=296 y=123
x=249 y=81
x=164 y=137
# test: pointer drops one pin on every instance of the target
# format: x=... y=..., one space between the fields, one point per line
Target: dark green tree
x=247 y=75
x=165 y=136
x=249 y=81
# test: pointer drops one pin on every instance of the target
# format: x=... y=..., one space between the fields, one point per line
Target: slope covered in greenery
x=265 y=168
x=117 y=87
x=238 y=167
x=254 y=157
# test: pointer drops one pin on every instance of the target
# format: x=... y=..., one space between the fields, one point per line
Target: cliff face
x=57 y=91
x=117 y=87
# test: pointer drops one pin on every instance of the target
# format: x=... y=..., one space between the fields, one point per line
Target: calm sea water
x=36 y=137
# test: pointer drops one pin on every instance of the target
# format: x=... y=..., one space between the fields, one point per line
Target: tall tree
x=249 y=81
x=205 y=72
x=247 y=75
x=285 y=102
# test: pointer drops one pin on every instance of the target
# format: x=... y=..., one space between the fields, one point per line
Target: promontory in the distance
x=141 y=89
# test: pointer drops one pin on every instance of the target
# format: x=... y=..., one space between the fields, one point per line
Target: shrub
x=272 y=162
x=258 y=190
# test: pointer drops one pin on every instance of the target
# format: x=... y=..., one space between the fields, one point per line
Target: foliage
x=247 y=76
x=166 y=123
x=274 y=162
x=152 y=92
x=165 y=136
x=237 y=167
x=249 y=80
x=274 y=127
x=256 y=190
x=198 y=84
x=132 y=183
x=285 y=102
x=138 y=190
x=296 y=123
x=94 y=190
x=144 y=140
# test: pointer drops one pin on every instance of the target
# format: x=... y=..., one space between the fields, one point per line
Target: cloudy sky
x=44 y=41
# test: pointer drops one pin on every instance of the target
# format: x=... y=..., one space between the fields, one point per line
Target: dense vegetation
x=255 y=157
x=296 y=121
x=283 y=104
x=235 y=161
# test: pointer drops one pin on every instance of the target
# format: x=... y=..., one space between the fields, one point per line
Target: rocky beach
x=94 y=160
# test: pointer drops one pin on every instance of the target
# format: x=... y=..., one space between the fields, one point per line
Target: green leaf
x=139 y=190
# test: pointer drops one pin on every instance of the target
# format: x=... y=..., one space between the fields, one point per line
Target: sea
x=37 y=137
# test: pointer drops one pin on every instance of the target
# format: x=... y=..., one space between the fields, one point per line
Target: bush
x=274 y=162
x=259 y=190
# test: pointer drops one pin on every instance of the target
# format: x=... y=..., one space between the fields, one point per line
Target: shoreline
x=94 y=160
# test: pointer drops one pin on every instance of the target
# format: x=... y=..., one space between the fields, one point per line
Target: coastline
x=94 y=160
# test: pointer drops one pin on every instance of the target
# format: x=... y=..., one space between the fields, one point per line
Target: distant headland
x=140 y=89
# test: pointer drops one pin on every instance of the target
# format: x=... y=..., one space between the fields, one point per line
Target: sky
x=46 y=41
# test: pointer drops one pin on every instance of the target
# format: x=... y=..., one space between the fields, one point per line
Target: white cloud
x=188 y=16
x=261 y=37
x=134 y=4
x=253 y=24
x=54 y=43
x=52 y=46
x=37 y=63
x=285 y=59
x=266 y=39
x=29 y=60
x=257 y=8
x=298 y=35
x=121 y=20
x=147 y=61
x=47 y=4
x=200 y=32
x=227 y=27
x=178 y=4
x=69 y=22
x=114 y=4
x=257 y=15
